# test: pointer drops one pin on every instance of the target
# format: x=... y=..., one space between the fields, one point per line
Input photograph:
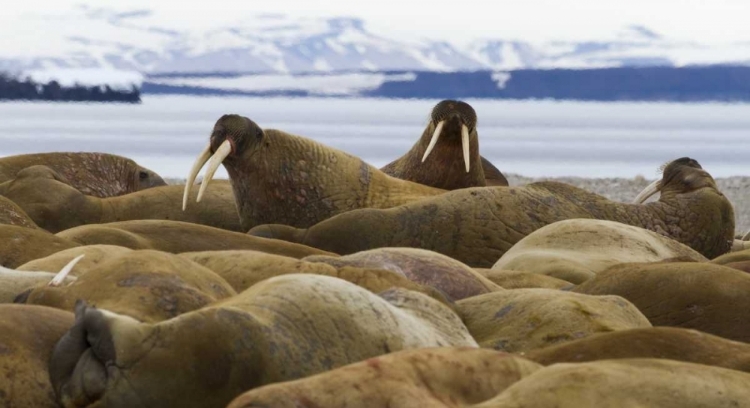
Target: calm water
x=533 y=138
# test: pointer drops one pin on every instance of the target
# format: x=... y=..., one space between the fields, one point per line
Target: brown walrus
x=447 y=154
x=56 y=206
x=281 y=329
x=694 y=295
x=429 y=377
x=454 y=279
x=28 y=335
x=176 y=237
x=12 y=214
x=149 y=286
x=281 y=178
x=478 y=225
x=95 y=174
x=643 y=383
x=672 y=343
x=21 y=245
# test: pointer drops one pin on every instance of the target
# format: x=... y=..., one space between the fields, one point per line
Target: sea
x=535 y=138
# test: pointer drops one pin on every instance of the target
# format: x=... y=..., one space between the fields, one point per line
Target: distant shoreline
x=624 y=189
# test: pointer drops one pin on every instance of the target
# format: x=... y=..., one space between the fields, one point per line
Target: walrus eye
x=143 y=175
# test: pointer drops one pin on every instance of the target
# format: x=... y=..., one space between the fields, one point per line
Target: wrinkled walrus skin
x=176 y=237
x=28 y=335
x=447 y=154
x=12 y=214
x=149 y=286
x=672 y=343
x=703 y=296
x=478 y=225
x=281 y=329
x=56 y=206
x=94 y=174
x=431 y=377
x=642 y=383
x=281 y=178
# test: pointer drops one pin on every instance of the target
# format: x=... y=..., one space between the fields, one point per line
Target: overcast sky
x=708 y=21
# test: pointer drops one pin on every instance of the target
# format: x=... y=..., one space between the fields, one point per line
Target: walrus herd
x=312 y=279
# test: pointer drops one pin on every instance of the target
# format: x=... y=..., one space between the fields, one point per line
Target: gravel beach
x=737 y=189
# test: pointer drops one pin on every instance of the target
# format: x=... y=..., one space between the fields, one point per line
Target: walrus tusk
x=221 y=153
x=746 y=237
x=60 y=277
x=647 y=192
x=197 y=166
x=433 y=141
x=465 y=145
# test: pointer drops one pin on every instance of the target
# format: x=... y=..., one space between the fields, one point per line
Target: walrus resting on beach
x=55 y=206
x=447 y=154
x=12 y=214
x=430 y=377
x=478 y=225
x=281 y=178
x=28 y=335
x=94 y=174
x=281 y=329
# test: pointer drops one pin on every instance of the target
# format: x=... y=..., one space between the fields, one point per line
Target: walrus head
x=232 y=136
x=450 y=119
x=680 y=176
x=143 y=178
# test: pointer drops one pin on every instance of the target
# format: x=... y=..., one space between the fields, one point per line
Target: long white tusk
x=647 y=192
x=433 y=141
x=60 y=277
x=221 y=153
x=746 y=237
x=197 y=166
x=465 y=145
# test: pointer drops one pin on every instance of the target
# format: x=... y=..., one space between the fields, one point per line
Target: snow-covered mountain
x=147 y=43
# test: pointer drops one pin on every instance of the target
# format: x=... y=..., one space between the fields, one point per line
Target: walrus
x=284 y=328
x=672 y=343
x=512 y=279
x=56 y=206
x=454 y=279
x=12 y=214
x=519 y=320
x=429 y=377
x=282 y=178
x=94 y=174
x=646 y=383
x=702 y=296
x=14 y=282
x=21 y=245
x=447 y=154
x=177 y=236
x=576 y=250
x=478 y=225
x=149 y=286
x=739 y=260
x=245 y=268
x=93 y=256
x=28 y=335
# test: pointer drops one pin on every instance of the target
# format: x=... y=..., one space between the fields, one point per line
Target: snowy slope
x=104 y=40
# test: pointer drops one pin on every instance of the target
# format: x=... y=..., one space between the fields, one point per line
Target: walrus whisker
x=197 y=166
x=221 y=153
x=60 y=277
x=465 y=145
x=647 y=192
x=433 y=141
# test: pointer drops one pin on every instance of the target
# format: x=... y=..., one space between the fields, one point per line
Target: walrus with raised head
x=478 y=225
x=281 y=178
x=447 y=154
x=95 y=174
x=281 y=329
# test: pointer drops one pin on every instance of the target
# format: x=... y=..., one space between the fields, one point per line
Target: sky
x=460 y=21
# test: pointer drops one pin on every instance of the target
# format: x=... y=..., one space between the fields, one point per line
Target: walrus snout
x=452 y=123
